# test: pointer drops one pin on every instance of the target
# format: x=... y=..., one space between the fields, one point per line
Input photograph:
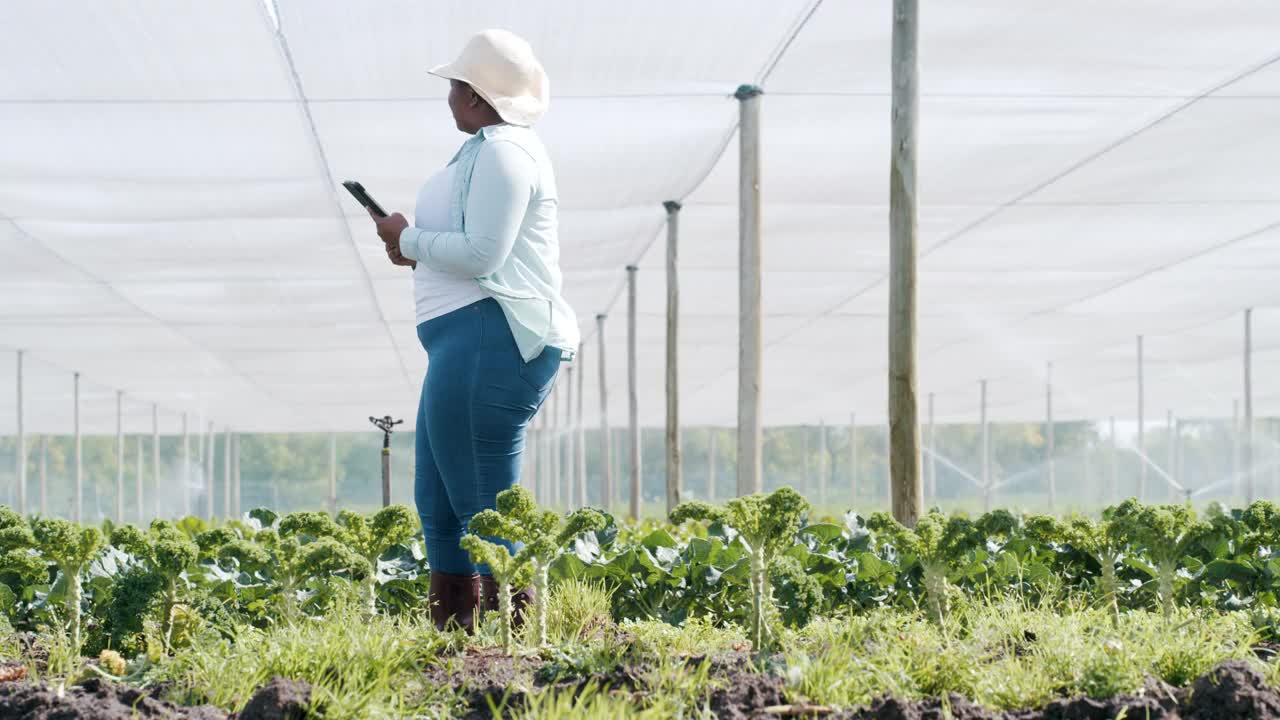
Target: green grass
x=1007 y=656
x=1003 y=654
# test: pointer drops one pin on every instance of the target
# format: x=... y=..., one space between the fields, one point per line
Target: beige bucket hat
x=501 y=67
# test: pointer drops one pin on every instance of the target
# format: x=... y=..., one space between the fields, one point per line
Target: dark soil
x=1231 y=691
x=94 y=700
x=279 y=699
x=488 y=676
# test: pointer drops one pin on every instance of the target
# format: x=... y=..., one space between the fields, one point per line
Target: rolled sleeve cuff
x=409 y=243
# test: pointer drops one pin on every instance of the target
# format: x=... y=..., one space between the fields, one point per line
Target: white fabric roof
x=172 y=225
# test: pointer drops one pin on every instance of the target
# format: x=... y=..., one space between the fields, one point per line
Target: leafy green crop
x=71 y=548
x=767 y=526
x=1166 y=533
x=301 y=555
x=163 y=554
x=543 y=533
x=938 y=544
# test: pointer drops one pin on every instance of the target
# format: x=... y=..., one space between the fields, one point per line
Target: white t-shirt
x=436 y=293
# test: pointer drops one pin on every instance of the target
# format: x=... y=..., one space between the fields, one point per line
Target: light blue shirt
x=504 y=199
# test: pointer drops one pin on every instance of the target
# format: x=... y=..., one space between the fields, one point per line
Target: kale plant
x=544 y=533
x=767 y=525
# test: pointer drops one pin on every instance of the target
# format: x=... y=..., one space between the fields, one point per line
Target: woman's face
x=461 y=103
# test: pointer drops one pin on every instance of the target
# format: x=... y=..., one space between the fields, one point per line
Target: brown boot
x=519 y=600
x=453 y=599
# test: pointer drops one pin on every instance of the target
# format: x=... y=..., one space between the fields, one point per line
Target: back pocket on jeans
x=539 y=372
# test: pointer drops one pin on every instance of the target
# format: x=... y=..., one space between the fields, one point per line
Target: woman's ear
x=475 y=100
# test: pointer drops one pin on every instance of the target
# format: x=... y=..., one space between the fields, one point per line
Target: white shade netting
x=171 y=224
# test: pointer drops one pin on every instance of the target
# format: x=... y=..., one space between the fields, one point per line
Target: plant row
x=760 y=562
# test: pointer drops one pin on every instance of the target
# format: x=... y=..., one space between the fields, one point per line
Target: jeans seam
x=471 y=415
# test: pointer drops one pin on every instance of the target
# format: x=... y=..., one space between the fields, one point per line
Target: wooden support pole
x=907 y=499
x=119 y=514
x=20 y=450
x=750 y=317
x=1250 y=487
x=1142 y=421
x=78 y=497
x=606 y=456
x=633 y=397
x=675 y=479
x=1049 y=433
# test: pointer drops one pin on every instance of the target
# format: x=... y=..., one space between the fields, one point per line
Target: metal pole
x=1172 y=455
x=386 y=469
x=569 y=436
x=1179 y=456
x=198 y=467
x=907 y=499
x=805 y=481
x=750 y=328
x=606 y=459
x=235 y=476
x=986 y=446
x=933 y=455
x=1249 y=485
x=1142 y=444
x=226 y=473
x=186 y=469
x=553 y=439
x=333 y=473
x=1114 y=490
x=20 y=455
x=155 y=457
x=44 y=476
x=1049 y=433
x=210 y=448
x=1236 y=485
x=137 y=480
x=711 y=464
x=633 y=408
x=823 y=468
x=853 y=459
x=119 y=457
x=77 y=500
x=675 y=477
x=580 y=434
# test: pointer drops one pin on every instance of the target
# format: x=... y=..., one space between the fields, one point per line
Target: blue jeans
x=477 y=400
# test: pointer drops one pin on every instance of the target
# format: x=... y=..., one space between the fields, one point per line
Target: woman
x=490 y=315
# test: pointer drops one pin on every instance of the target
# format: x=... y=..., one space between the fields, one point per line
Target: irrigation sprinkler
x=386 y=425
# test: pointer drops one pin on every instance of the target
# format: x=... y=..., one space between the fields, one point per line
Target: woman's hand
x=389 y=229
